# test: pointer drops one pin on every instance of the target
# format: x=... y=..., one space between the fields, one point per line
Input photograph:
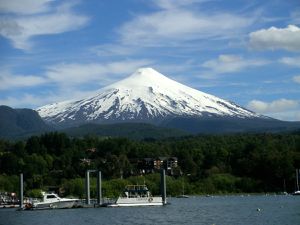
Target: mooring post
x=21 y=198
x=99 y=188
x=163 y=188
x=87 y=187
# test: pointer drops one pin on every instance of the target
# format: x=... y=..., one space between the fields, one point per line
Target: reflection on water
x=273 y=210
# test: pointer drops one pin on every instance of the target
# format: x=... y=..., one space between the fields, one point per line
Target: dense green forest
x=209 y=164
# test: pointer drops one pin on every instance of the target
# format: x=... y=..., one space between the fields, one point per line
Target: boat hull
x=182 y=196
x=146 y=201
x=55 y=205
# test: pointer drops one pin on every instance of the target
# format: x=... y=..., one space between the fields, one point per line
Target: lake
x=217 y=210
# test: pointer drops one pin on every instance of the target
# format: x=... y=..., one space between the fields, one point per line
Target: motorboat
x=137 y=195
x=296 y=193
x=53 y=201
x=182 y=195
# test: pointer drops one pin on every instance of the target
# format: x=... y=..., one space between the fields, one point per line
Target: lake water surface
x=219 y=210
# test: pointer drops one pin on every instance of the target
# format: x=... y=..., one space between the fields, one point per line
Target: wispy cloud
x=25 y=7
x=290 y=61
x=171 y=4
x=10 y=81
x=296 y=79
x=106 y=50
x=19 y=29
x=171 y=25
x=276 y=38
x=177 y=28
x=231 y=64
x=295 y=17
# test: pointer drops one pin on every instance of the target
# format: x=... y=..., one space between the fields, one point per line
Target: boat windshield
x=51 y=196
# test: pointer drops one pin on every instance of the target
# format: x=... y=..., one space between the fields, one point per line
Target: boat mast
x=182 y=186
x=284 y=186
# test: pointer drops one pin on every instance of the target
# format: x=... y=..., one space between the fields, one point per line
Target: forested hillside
x=16 y=123
x=208 y=164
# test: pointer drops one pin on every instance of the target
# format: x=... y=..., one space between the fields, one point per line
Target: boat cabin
x=134 y=191
x=50 y=197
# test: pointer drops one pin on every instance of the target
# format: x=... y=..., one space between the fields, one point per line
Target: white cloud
x=173 y=25
x=113 y=50
x=276 y=38
x=24 y=6
x=10 y=81
x=282 y=109
x=290 y=61
x=19 y=29
x=231 y=64
x=296 y=79
x=276 y=106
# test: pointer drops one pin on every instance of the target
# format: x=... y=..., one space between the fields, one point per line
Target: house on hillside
x=151 y=165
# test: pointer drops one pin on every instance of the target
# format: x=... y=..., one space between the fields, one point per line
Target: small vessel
x=297 y=192
x=182 y=195
x=53 y=201
x=137 y=195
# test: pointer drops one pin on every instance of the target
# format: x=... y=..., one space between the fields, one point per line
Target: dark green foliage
x=226 y=125
x=135 y=131
x=9 y=183
x=34 y=193
x=209 y=164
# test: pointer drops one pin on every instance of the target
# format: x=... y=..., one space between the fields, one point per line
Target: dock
x=87 y=202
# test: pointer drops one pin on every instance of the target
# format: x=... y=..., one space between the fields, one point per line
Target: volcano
x=145 y=96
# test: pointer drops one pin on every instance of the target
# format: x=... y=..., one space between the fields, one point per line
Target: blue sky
x=246 y=51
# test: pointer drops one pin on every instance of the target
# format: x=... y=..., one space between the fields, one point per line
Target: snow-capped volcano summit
x=146 y=96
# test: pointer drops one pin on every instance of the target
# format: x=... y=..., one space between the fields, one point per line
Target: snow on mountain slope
x=146 y=95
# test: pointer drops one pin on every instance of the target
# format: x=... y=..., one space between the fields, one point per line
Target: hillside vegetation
x=209 y=164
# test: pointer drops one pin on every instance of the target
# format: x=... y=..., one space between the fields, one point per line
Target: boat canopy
x=136 y=188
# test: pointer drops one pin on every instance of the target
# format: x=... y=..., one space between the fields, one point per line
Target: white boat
x=296 y=193
x=137 y=195
x=53 y=201
x=182 y=196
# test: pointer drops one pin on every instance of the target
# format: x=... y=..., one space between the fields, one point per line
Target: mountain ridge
x=20 y=122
